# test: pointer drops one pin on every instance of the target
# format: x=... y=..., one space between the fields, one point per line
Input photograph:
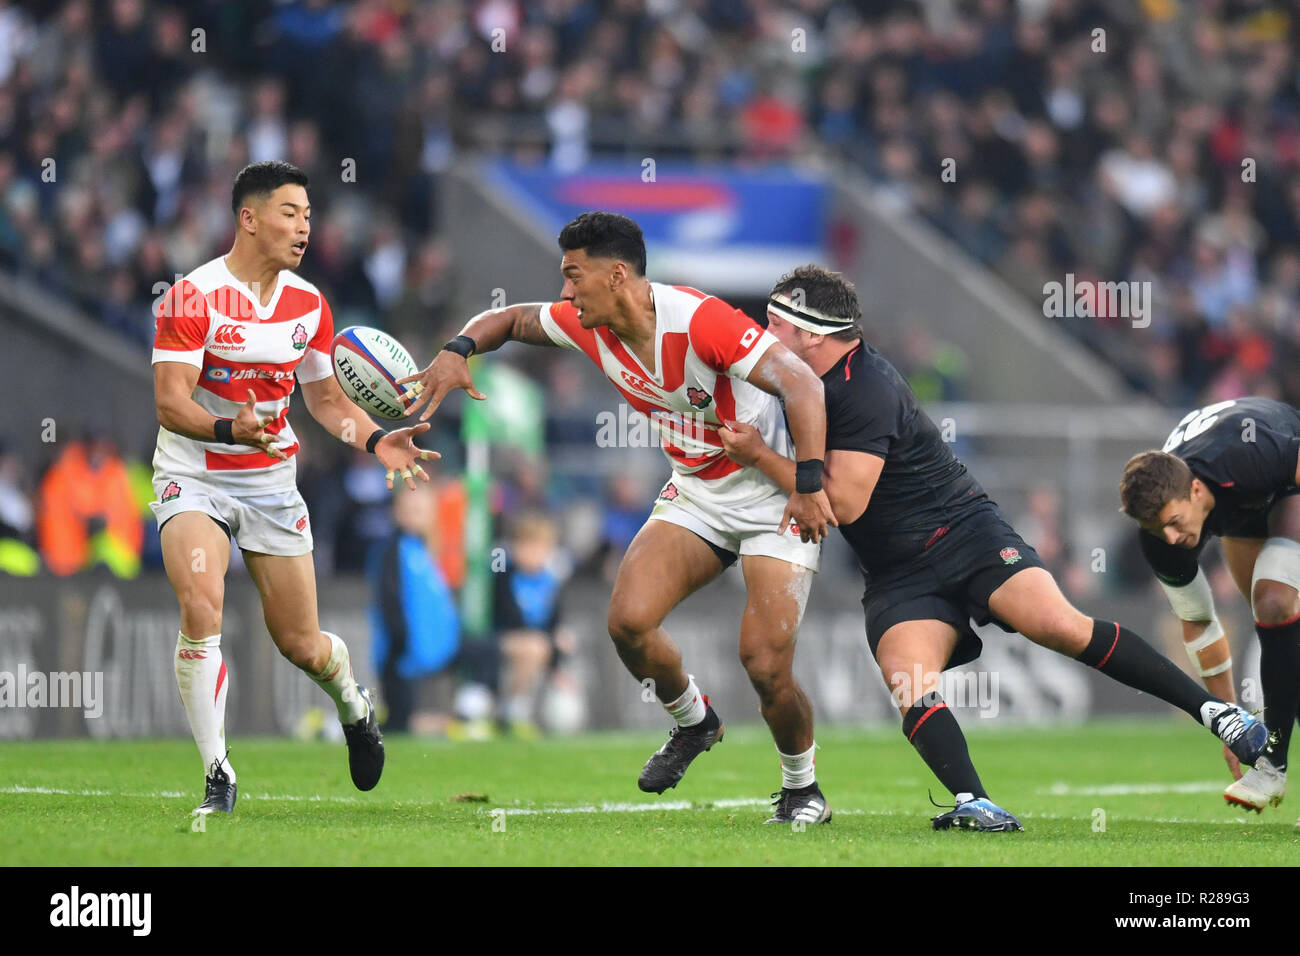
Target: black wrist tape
x=223 y=429
x=808 y=476
x=374 y=438
x=462 y=345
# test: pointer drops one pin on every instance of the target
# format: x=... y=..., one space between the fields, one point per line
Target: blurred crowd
x=1152 y=141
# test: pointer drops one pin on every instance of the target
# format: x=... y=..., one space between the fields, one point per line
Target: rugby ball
x=367 y=364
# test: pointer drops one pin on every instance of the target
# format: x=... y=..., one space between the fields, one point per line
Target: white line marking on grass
x=1133 y=789
x=635 y=807
x=174 y=795
x=674 y=805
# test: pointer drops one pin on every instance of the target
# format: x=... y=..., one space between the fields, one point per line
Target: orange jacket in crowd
x=73 y=493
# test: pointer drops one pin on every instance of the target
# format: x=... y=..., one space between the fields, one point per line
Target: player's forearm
x=1211 y=657
x=494 y=328
x=805 y=409
x=186 y=417
x=779 y=469
x=343 y=420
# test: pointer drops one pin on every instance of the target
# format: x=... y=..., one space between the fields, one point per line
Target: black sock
x=1120 y=654
x=932 y=729
x=1279 y=678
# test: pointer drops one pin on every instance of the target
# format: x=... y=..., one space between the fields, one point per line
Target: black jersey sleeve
x=1174 y=566
x=863 y=413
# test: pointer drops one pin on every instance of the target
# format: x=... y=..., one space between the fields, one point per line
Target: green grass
x=874 y=781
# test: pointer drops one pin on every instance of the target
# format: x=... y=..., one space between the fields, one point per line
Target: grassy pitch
x=1110 y=794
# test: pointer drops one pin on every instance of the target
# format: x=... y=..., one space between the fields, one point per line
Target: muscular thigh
x=1032 y=603
x=288 y=589
x=1240 y=554
x=664 y=564
x=777 y=594
x=196 y=553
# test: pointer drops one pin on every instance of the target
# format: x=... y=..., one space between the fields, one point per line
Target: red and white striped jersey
x=704 y=349
x=210 y=320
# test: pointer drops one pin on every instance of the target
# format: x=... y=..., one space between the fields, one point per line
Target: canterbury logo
x=228 y=335
x=192 y=655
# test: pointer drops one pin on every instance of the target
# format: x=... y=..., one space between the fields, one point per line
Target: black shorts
x=951 y=582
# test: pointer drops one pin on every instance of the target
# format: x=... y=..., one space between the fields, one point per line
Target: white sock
x=688 y=709
x=201 y=677
x=797 y=771
x=336 y=680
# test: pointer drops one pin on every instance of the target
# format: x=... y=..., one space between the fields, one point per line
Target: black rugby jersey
x=1244 y=450
x=923 y=488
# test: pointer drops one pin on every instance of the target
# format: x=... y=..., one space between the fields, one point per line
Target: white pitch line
x=173 y=795
x=673 y=805
x=1133 y=789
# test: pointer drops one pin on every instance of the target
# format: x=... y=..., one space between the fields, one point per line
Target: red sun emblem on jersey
x=172 y=490
x=1009 y=555
x=300 y=337
x=302 y=523
x=794 y=527
x=669 y=493
x=699 y=397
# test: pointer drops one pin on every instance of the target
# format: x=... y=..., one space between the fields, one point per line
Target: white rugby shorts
x=741 y=527
x=273 y=522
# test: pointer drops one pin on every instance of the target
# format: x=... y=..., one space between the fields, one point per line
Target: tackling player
x=1230 y=469
x=936 y=551
x=231 y=338
x=687 y=360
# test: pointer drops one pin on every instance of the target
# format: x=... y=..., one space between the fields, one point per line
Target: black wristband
x=223 y=429
x=462 y=345
x=808 y=476
x=374 y=438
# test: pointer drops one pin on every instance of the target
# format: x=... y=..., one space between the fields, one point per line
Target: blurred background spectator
x=415 y=626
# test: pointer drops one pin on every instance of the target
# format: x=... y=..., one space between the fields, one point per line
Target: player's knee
x=767 y=671
x=301 y=651
x=629 y=623
x=897 y=671
x=1274 y=603
x=1062 y=629
x=200 y=612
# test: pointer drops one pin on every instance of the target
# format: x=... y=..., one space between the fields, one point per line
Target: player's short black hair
x=827 y=292
x=606 y=235
x=1151 y=480
x=262 y=179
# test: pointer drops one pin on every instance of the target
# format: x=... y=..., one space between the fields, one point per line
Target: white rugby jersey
x=210 y=320
x=704 y=348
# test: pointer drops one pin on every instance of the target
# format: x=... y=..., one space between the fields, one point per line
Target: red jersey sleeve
x=181 y=325
x=317 y=361
x=726 y=339
x=560 y=321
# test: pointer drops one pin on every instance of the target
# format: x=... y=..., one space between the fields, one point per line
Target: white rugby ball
x=367 y=364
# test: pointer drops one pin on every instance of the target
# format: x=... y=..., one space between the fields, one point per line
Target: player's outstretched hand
x=1234 y=765
x=449 y=370
x=248 y=429
x=811 y=513
x=742 y=443
x=396 y=451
